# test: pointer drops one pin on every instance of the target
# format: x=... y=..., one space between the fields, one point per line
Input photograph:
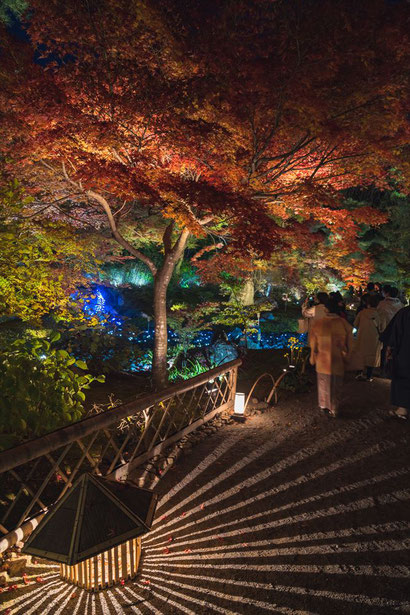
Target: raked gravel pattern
x=289 y=513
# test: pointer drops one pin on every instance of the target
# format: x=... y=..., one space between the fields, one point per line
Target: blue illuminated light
x=270 y=341
x=95 y=304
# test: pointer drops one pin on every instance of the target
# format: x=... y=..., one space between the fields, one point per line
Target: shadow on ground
x=289 y=513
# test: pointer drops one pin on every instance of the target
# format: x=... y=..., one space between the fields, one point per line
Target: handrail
x=32 y=449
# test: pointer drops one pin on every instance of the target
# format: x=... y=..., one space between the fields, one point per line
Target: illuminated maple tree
x=240 y=120
x=42 y=262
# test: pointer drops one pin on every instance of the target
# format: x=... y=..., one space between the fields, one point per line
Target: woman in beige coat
x=368 y=347
x=331 y=343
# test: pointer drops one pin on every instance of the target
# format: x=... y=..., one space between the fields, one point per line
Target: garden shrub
x=283 y=323
x=41 y=389
x=104 y=348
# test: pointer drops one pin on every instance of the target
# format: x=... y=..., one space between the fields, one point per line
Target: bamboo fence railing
x=35 y=474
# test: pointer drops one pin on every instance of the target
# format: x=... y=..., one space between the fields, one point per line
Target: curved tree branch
x=179 y=245
x=116 y=234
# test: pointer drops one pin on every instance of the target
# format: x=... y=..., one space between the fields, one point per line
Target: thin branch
x=179 y=245
x=42 y=209
x=75 y=218
x=68 y=179
x=206 y=220
x=303 y=142
x=117 y=235
x=117 y=156
x=72 y=165
x=167 y=237
x=284 y=166
x=322 y=160
x=365 y=104
x=116 y=213
x=48 y=166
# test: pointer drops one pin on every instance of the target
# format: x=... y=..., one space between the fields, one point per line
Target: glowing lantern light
x=239 y=405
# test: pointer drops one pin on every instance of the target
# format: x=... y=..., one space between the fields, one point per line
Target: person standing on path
x=390 y=305
x=387 y=309
x=316 y=311
x=367 y=351
x=398 y=349
x=331 y=344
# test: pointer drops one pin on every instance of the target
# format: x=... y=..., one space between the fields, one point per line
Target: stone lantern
x=94 y=531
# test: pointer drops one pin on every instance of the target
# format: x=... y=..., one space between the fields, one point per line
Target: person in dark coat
x=397 y=339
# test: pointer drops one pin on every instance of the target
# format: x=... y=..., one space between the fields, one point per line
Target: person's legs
x=323 y=391
x=383 y=360
x=335 y=394
x=400 y=395
x=369 y=373
x=363 y=375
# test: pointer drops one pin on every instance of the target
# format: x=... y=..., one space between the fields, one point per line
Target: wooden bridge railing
x=35 y=474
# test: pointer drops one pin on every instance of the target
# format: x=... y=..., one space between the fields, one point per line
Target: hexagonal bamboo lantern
x=94 y=532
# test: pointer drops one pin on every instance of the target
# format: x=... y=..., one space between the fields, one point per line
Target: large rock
x=222 y=352
x=17 y=565
x=253 y=344
x=265 y=316
x=236 y=334
x=4 y=578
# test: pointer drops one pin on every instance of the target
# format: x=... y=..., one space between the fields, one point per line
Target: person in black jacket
x=397 y=339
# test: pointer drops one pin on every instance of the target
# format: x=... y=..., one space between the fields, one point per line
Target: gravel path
x=288 y=513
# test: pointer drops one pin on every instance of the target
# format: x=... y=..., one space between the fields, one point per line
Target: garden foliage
x=241 y=124
x=41 y=261
x=42 y=388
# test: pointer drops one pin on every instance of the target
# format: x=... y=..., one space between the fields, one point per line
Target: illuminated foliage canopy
x=243 y=120
x=389 y=245
x=41 y=262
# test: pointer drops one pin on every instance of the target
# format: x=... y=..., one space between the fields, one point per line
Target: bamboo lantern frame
x=94 y=532
x=105 y=569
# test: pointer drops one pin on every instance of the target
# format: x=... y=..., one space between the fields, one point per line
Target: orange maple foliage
x=252 y=115
x=259 y=111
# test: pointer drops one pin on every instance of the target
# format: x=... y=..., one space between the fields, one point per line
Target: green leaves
x=41 y=263
x=40 y=391
x=81 y=364
x=55 y=337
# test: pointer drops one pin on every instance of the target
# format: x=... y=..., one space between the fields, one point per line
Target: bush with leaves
x=104 y=347
x=188 y=322
x=235 y=314
x=41 y=262
x=283 y=323
x=40 y=389
x=191 y=369
x=296 y=378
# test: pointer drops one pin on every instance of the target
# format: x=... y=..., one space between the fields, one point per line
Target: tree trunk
x=173 y=253
x=161 y=281
x=247 y=293
x=159 y=364
x=178 y=266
